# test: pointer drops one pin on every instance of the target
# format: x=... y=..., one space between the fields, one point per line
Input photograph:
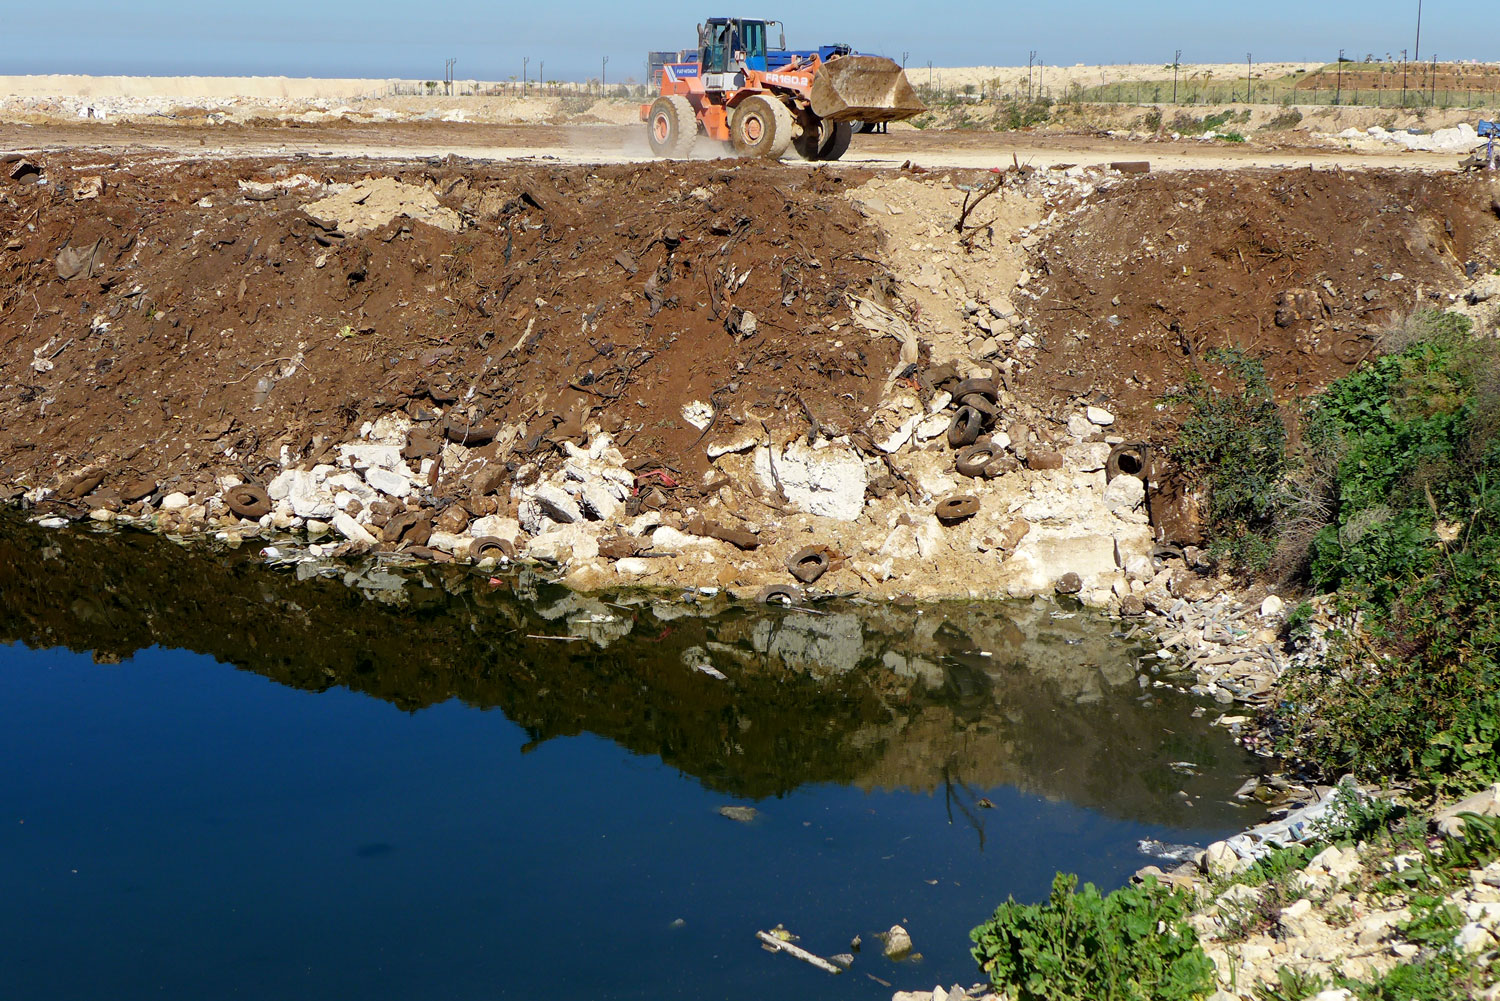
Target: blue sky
x=385 y=38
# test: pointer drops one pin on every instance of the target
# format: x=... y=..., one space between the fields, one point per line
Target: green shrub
x=1133 y=945
x=1414 y=547
x=1238 y=441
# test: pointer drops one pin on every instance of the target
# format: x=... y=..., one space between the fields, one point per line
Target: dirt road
x=590 y=144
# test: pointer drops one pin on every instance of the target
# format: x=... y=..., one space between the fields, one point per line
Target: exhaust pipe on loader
x=863 y=89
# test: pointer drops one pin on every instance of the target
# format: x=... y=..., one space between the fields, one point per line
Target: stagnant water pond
x=223 y=779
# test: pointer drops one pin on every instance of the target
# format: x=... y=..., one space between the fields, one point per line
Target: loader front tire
x=761 y=127
x=671 y=127
x=821 y=140
x=836 y=143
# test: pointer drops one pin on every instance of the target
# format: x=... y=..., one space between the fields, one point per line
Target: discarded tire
x=966 y=427
x=955 y=509
x=779 y=594
x=983 y=387
x=491 y=547
x=248 y=501
x=981 y=403
x=809 y=563
x=1129 y=459
x=976 y=459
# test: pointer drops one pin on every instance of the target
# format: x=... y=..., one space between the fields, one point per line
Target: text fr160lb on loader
x=763 y=101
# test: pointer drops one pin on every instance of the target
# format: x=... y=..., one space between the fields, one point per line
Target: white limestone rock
x=351 y=529
x=828 y=481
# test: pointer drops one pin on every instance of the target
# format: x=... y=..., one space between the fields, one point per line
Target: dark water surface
x=220 y=780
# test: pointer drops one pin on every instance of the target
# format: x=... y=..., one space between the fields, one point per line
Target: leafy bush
x=1133 y=945
x=1414 y=547
x=1239 y=442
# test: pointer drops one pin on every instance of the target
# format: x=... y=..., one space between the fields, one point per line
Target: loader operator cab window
x=716 y=50
x=752 y=42
x=721 y=43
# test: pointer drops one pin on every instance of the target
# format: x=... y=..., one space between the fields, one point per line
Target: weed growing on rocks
x=1133 y=944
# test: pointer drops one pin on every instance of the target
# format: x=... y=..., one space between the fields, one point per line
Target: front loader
x=763 y=101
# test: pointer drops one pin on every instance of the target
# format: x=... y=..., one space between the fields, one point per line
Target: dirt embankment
x=212 y=319
x=674 y=373
x=1298 y=268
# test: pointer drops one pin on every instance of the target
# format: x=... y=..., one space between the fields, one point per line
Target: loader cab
x=723 y=38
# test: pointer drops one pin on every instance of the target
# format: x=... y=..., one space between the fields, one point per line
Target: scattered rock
x=351 y=529
x=1069 y=583
x=897 y=943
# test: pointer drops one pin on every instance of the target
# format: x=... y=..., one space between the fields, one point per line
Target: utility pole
x=929 y=74
x=1403 y=78
x=525 y=64
x=541 y=77
x=1338 y=89
x=1248 y=85
x=903 y=60
x=1030 y=60
x=1432 y=81
x=602 y=67
x=1176 y=60
x=448 y=65
x=1416 y=55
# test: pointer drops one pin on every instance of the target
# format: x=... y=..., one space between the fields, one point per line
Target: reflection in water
x=946 y=699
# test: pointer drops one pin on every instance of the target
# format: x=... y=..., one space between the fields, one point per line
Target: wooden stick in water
x=777 y=945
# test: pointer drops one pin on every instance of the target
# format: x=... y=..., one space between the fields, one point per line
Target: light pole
x=525 y=68
x=1416 y=54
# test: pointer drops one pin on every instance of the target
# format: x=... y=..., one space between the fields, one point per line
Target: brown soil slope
x=1299 y=268
x=214 y=324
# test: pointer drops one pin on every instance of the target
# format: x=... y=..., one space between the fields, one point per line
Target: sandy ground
x=626 y=144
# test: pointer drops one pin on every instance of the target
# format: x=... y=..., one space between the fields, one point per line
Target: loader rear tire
x=671 y=127
x=761 y=127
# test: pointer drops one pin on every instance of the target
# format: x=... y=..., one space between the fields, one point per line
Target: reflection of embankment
x=879 y=696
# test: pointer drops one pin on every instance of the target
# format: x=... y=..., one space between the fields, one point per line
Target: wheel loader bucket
x=863 y=89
